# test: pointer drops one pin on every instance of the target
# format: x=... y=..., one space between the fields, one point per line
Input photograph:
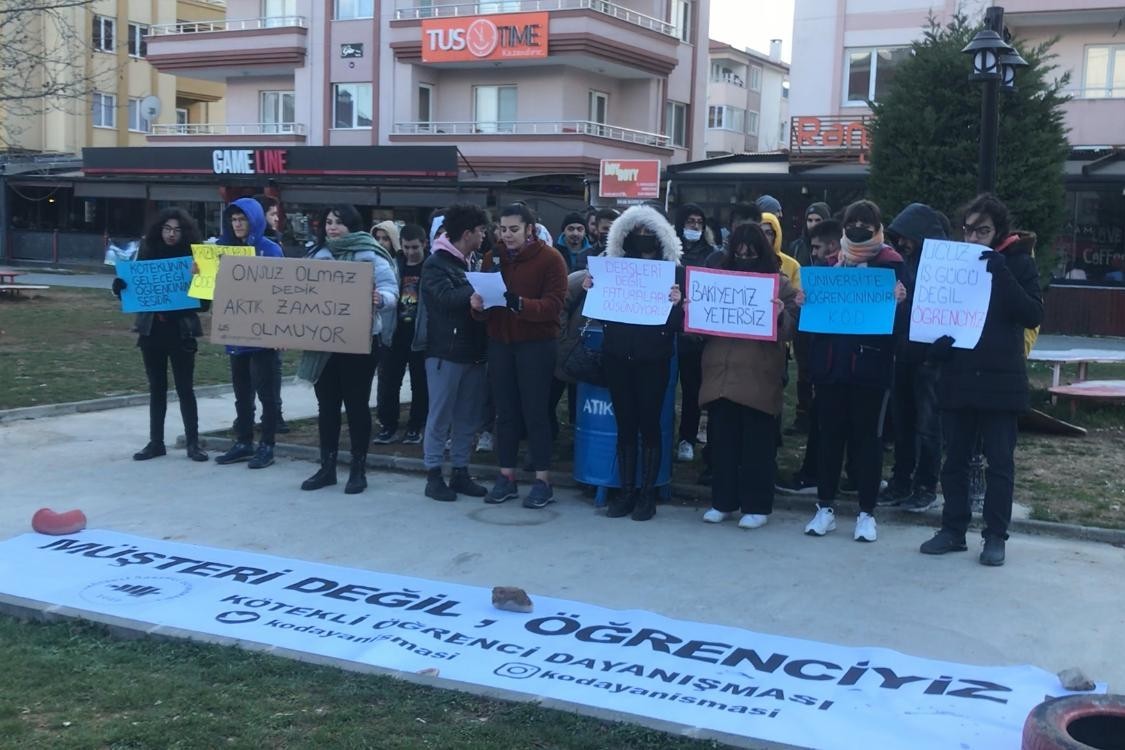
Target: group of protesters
x=494 y=372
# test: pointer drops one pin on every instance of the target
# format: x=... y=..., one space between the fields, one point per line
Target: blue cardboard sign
x=156 y=285
x=848 y=300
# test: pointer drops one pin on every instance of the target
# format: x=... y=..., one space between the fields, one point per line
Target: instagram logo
x=516 y=670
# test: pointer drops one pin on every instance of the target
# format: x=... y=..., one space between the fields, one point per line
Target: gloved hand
x=515 y=304
x=941 y=350
x=996 y=261
x=119 y=285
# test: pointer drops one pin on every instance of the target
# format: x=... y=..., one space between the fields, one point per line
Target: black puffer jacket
x=917 y=222
x=993 y=375
x=451 y=332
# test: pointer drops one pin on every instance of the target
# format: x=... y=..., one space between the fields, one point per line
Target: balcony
x=563 y=128
x=594 y=35
x=228 y=48
x=729 y=78
x=218 y=133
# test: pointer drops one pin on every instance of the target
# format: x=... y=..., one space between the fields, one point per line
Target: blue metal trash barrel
x=595 y=436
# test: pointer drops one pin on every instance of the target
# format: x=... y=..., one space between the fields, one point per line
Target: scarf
x=858 y=253
x=442 y=243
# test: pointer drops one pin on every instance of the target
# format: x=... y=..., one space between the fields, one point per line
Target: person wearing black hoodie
x=698 y=244
x=169 y=337
x=983 y=390
x=913 y=484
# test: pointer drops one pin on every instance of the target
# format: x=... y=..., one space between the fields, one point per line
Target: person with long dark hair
x=346 y=378
x=638 y=362
x=983 y=390
x=742 y=389
x=169 y=337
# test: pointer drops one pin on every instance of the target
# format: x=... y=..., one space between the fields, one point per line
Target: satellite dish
x=150 y=107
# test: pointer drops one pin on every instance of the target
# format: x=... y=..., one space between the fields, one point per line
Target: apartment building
x=747 y=100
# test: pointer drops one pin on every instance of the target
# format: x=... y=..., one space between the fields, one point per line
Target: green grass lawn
x=73 y=685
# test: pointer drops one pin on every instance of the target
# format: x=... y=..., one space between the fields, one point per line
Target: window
x=103 y=33
x=499 y=6
x=755 y=78
x=721 y=73
x=105 y=110
x=349 y=9
x=681 y=19
x=351 y=105
x=425 y=104
x=278 y=12
x=752 y=122
x=276 y=111
x=138 y=123
x=1104 y=75
x=181 y=119
x=675 y=123
x=138 y=47
x=599 y=107
x=494 y=109
x=781 y=133
x=722 y=117
x=870 y=72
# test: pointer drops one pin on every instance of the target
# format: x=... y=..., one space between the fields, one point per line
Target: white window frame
x=1108 y=91
x=593 y=99
x=674 y=123
x=493 y=123
x=104 y=34
x=726 y=117
x=357 y=89
x=275 y=11
x=103 y=103
x=755 y=77
x=872 y=76
x=752 y=122
x=138 y=47
x=278 y=123
x=427 y=120
x=681 y=19
x=353 y=9
x=499 y=6
x=137 y=121
x=181 y=119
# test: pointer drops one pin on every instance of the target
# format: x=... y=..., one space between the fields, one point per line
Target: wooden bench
x=14 y=290
x=1105 y=391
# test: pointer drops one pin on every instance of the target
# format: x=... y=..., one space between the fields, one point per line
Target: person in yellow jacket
x=789 y=265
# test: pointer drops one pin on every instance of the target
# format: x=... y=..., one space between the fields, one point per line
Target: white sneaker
x=823 y=522
x=865 y=528
x=701 y=436
x=716 y=516
x=753 y=521
x=484 y=442
x=685 y=451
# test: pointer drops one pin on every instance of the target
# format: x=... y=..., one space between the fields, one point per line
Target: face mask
x=692 y=235
x=637 y=245
x=744 y=264
x=858 y=234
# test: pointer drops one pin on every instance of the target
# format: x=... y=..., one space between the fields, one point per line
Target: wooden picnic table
x=1106 y=391
x=9 y=287
x=8 y=275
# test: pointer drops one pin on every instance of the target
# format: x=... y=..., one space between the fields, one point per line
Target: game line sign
x=698 y=675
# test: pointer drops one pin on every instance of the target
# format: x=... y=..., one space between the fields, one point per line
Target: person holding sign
x=742 y=390
x=169 y=337
x=522 y=348
x=983 y=390
x=638 y=359
x=252 y=369
x=852 y=375
x=340 y=378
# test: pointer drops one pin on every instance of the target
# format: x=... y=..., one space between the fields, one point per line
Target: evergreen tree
x=925 y=136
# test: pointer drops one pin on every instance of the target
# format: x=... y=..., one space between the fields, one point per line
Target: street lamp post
x=994 y=62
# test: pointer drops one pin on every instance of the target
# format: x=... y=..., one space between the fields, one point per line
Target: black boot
x=463 y=484
x=626 y=499
x=650 y=468
x=152 y=450
x=191 y=445
x=436 y=488
x=357 y=477
x=325 y=475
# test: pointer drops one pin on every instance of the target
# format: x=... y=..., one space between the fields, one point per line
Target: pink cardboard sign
x=731 y=304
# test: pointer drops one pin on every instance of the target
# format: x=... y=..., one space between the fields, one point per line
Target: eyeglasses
x=171 y=230
x=980 y=230
x=697 y=223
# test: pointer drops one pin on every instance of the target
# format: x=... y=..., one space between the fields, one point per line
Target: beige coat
x=746 y=371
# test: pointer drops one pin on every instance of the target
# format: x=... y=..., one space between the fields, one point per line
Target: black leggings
x=637 y=392
x=157 y=351
x=346 y=380
x=521 y=375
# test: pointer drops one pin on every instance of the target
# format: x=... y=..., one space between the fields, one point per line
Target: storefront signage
x=629 y=178
x=249 y=160
x=497 y=37
x=826 y=136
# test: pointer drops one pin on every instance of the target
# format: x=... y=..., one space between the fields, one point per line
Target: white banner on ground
x=951 y=293
x=726 y=679
x=630 y=290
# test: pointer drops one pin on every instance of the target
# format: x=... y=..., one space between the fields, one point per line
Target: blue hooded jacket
x=263 y=246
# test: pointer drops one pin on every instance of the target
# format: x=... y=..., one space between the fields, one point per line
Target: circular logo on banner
x=482 y=37
x=137 y=590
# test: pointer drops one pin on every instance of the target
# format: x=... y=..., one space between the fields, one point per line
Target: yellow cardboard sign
x=207 y=262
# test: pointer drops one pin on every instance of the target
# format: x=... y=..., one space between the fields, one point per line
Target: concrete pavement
x=1056 y=604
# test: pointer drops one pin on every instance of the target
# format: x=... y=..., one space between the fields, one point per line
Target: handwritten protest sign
x=288 y=303
x=628 y=290
x=848 y=300
x=731 y=304
x=156 y=285
x=207 y=260
x=951 y=293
